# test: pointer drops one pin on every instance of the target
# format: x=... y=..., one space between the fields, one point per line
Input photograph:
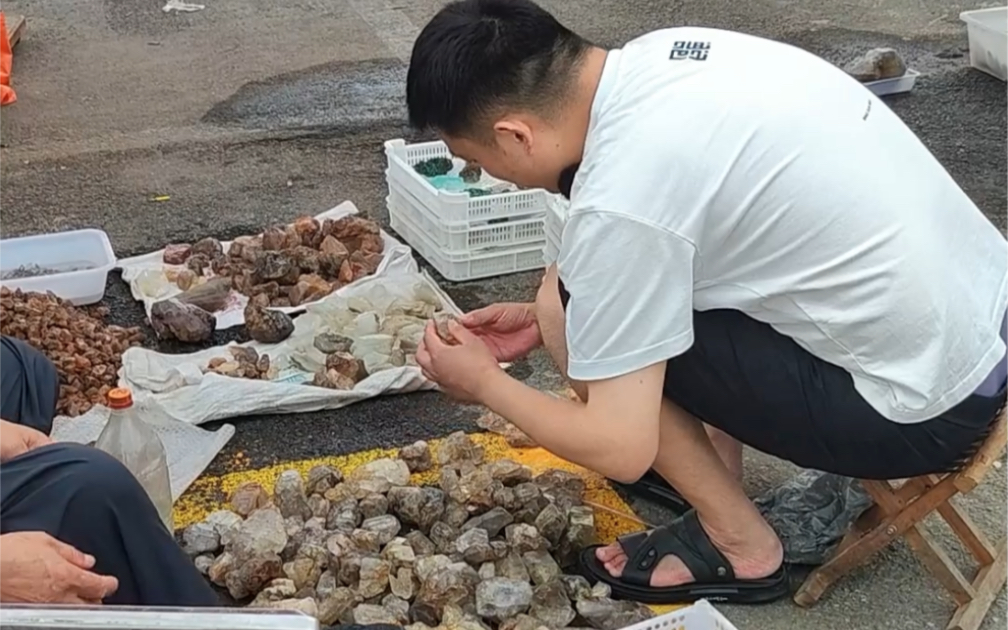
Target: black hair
x=478 y=56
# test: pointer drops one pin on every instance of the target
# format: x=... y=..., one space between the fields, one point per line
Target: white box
x=462 y=266
x=466 y=237
x=699 y=616
x=64 y=250
x=988 y=40
x=895 y=85
x=455 y=207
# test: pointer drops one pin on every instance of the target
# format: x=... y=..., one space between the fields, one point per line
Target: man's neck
x=578 y=113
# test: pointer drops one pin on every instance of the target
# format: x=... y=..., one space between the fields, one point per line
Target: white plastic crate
x=455 y=207
x=462 y=266
x=699 y=616
x=86 y=255
x=463 y=237
x=988 y=40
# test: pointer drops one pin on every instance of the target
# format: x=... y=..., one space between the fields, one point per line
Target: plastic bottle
x=136 y=444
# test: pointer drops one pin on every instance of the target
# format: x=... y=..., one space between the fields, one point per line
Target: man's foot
x=758 y=556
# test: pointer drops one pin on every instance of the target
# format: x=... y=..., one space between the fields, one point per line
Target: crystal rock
x=551 y=606
x=289 y=494
x=386 y=526
x=457 y=448
x=608 y=614
x=380 y=475
x=498 y=599
x=249 y=496
x=373 y=505
x=524 y=537
x=541 y=566
x=200 y=538
x=417 y=456
x=262 y=533
x=493 y=522
x=374 y=577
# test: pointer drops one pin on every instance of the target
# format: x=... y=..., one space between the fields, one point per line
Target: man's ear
x=513 y=135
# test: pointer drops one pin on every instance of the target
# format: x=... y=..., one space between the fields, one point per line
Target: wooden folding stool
x=898 y=511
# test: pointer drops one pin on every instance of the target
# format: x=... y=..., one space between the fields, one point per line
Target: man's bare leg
x=551 y=326
x=687 y=460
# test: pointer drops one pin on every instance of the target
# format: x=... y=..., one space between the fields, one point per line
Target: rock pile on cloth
x=485 y=549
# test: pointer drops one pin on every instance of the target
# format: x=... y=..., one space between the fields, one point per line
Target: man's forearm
x=563 y=427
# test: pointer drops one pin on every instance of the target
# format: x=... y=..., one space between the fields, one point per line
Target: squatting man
x=736 y=268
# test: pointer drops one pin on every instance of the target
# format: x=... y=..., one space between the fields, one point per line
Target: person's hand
x=460 y=367
x=35 y=568
x=16 y=439
x=510 y=330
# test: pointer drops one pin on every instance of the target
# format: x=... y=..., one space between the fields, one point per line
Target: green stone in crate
x=433 y=167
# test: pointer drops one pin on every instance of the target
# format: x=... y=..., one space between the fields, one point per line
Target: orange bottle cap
x=120 y=398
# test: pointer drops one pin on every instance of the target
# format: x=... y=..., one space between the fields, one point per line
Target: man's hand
x=35 y=568
x=509 y=330
x=461 y=368
x=17 y=440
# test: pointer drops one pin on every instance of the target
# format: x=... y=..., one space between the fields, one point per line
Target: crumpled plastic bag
x=811 y=513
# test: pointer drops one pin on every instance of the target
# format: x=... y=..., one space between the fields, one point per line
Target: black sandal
x=654 y=488
x=686 y=539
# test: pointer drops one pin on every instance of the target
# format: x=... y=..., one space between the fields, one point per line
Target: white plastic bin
x=988 y=40
x=465 y=237
x=895 y=85
x=454 y=207
x=87 y=251
x=462 y=266
x=699 y=616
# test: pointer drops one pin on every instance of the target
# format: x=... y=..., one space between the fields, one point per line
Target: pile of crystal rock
x=485 y=550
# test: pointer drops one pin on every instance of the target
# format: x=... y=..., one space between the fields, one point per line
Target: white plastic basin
x=80 y=258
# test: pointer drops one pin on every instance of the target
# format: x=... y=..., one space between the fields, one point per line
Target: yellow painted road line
x=209 y=493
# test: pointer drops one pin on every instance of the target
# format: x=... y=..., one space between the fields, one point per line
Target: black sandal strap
x=685 y=539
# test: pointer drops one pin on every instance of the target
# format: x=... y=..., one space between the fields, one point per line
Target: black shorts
x=759 y=386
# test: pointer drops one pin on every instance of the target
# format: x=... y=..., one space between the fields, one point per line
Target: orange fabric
x=7 y=95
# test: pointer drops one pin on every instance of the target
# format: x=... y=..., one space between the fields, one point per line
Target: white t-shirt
x=726 y=171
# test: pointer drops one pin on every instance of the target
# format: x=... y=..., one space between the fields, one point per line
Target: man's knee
x=29 y=384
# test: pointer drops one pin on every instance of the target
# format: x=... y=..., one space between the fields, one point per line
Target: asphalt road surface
x=252 y=113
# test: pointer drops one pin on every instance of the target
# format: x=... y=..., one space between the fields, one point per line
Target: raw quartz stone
x=551 y=523
x=304 y=605
x=399 y=553
x=474 y=545
x=334 y=605
x=247 y=497
x=322 y=478
x=200 y=538
x=420 y=507
x=600 y=591
x=250 y=576
x=302 y=572
x=422 y=546
x=339 y=493
x=369 y=614
x=427 y=565
x=508 y=472
x=417 y=456
x=374 y=577
x=609 y=614
x=512 y=566
x=580 y=533
x=541 y=566
x=326 y=585
x=553 y=482
x=319 y=506
x=402 y=583
x=877 y=64
x=551 y=606
x=203 y=563
x=493 y=522
x=225 y=523
x=278 y=589
x=487 y=570
x=506 y=498
x=262 y=533
x=398 y=607
x=444 y=536
x=289 y=494
x=474 y=489
x=458 y=448
x=373 y=505
x=498 y=599
x=366 y=540
x=450 y=585
x=455 y=618
x=220 y=568
x=577 y=587
x=380 y=475
x=344 y=517
x=524 y=537
x=455 y=514
x=386 y=526
x=349 y=571
x=521 y=622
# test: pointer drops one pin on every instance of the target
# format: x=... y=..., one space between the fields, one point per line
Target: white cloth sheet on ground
x=147 y=283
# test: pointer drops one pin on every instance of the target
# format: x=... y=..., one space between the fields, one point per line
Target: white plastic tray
x=462 y=266
x=461 y=237
x=895 y=85
x=453 y=207
x=78 y=248
x=988 y=40
x=699 y=616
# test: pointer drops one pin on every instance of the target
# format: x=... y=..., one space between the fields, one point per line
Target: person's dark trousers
x=29 y=385
x=86 y=498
